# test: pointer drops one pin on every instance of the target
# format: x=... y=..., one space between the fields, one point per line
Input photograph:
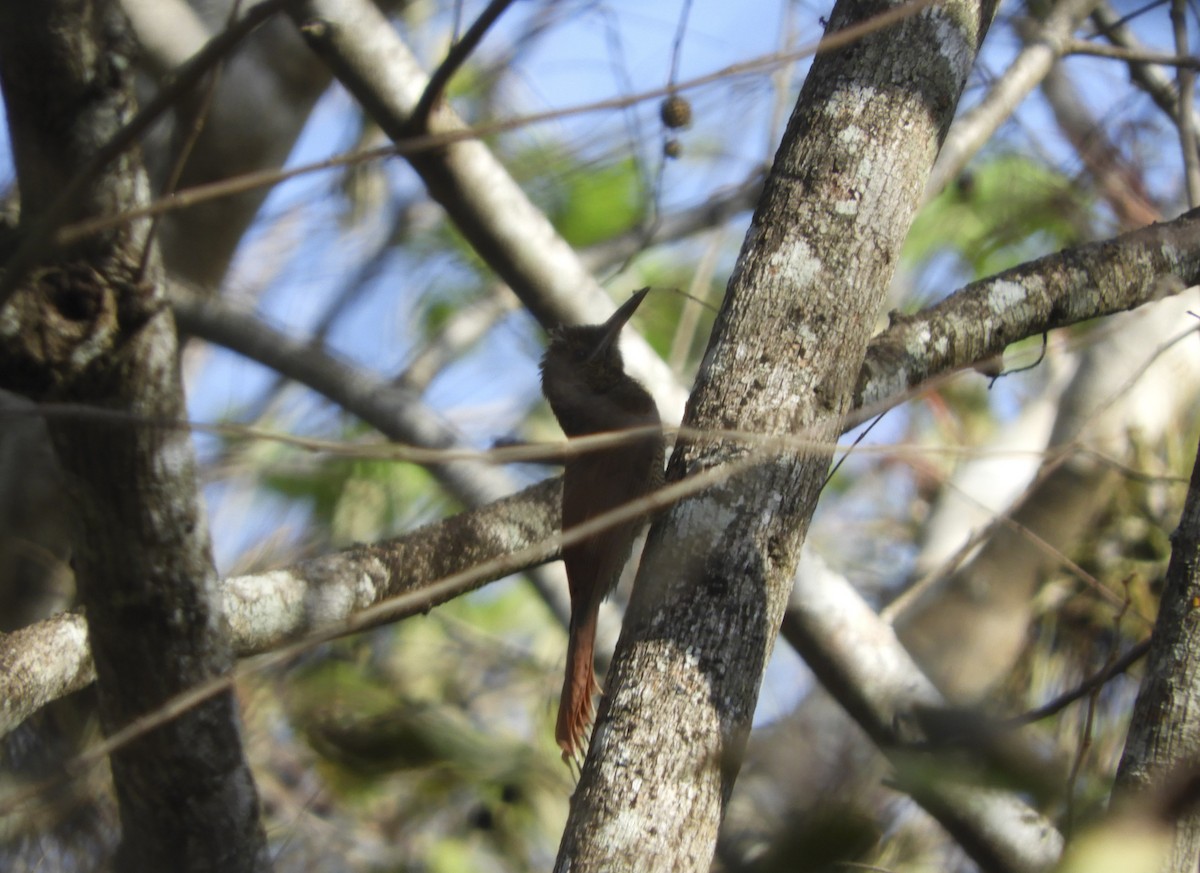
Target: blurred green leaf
x=599 y=203
x=1004 y=211
x=358 y=500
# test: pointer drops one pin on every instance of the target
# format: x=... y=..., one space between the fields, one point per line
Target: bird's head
x=590 y=353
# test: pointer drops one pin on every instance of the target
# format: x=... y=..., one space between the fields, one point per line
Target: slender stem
x=455 y=58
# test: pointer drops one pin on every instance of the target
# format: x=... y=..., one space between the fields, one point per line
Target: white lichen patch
x=707 y=516
x=865 y=172
x=951 y=42
x=806 y=335
x=334 y=602
x=849 y=103
x=174 y=462
x=264 y=606
x=10 y=324
x=1005 y=295
x=72 y=633
x=919 y=341
x=852 y=135
x=796 y=264
x=91 y=348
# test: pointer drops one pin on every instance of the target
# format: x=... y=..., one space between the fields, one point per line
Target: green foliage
x=599 y=203
x=357 y=500
x=437 y=312
x=369 y=730
x=1009 y=209
x=587 y=200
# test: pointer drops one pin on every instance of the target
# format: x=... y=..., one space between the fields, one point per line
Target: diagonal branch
x=912 y=351
x=974 y=128
x=393 y=409
x=982 y=319
x=459 y=52
x=486 y=205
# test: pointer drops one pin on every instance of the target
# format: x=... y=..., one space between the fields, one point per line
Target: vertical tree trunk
x=1164 y=734
x=787 y=346
x=91 y=327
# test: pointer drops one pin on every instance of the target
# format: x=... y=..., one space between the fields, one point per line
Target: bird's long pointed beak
x=612 y=327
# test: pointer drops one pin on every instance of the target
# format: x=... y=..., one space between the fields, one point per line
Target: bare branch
x=478 y=194
x=1186 y=79
x=982 y=319
x=1117 y=182
x=859 y=660
x=899 y=361
x=971 y=130
x=1137 y=56
x=393 y=409
x=459 y=52
x=1149 y=77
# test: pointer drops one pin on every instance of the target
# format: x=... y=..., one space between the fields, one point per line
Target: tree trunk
x=1163 y=745
x=785 y=351
x=90 y=326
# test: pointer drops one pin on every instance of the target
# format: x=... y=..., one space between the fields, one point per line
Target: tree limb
x=913 y=350
x=90 y=325
x=481 y=198
x=981 y=320
x=1163 y=741
x=51 y=658
x=975 y=127
x=713 y=582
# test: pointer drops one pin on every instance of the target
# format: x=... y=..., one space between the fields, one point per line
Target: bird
x=589 y=392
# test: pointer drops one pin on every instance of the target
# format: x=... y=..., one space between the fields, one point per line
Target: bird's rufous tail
x=575 y=706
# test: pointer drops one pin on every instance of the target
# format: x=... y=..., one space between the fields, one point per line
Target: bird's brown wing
x=594 y=484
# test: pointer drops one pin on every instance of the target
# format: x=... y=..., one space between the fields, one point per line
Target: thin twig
x=1109 y=671
x=195 y=128
x=1136 y=56
x=455 y=58
x=424 y=142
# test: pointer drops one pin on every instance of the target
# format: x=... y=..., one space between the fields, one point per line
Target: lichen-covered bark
x=1164 y=731
x=783 y=358
x=980 y=320
x=91 y=326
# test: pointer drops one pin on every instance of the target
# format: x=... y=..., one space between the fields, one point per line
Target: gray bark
x=1164 y=735
x=986 y=317
x=264 y=611
x=91 y=326
x=791 y=335
x=51 y=659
